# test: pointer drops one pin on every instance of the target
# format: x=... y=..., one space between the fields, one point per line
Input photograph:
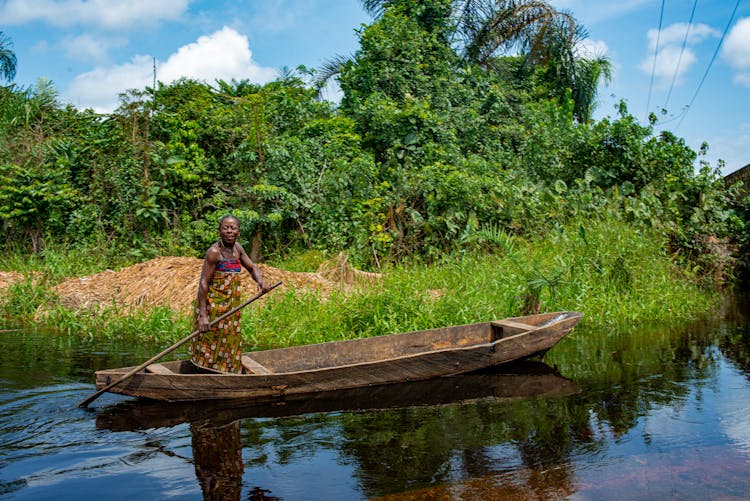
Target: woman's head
x=226 y=218
x=229 y=229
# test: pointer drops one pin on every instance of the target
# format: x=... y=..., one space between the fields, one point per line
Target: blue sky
x=93 y=49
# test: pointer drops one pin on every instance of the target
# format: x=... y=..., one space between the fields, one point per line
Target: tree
x=490 y=27
x=565 y=71
x=549 y=42
x=481 y=29
x=7 y=58
x=32 y=200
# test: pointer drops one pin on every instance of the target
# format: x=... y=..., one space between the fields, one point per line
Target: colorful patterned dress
x=221 y=347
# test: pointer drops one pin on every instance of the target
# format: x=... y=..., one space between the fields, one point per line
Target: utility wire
x=682 y=50
x=656 y=53
x=713 y=58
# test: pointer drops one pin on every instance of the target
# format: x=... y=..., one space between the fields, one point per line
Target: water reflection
x=409 y=449
x=439 y=411
x=217 y=456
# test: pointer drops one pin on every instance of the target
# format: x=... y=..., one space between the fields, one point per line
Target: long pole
x=153 y=359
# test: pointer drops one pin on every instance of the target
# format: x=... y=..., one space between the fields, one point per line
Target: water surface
x=632 y=413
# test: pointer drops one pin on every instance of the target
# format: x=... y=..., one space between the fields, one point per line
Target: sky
x=690 y=58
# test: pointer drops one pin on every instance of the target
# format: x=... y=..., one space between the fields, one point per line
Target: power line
x=710 y=63
x=682 y=50
x=656 y=52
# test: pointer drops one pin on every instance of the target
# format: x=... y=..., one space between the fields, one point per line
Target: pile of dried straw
x=173 y=282
x=7 y=278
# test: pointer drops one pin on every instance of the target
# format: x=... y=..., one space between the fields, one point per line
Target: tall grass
x=612 y=273
x=160 y=324
x=59 y=261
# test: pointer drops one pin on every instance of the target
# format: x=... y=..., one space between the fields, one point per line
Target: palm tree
x=491 y=27
x=588 y=74
x=7 y=58
x=481 y=31
x=564 y=68
x=484 y=28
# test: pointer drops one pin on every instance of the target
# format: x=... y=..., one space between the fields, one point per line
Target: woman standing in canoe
x=219 y=290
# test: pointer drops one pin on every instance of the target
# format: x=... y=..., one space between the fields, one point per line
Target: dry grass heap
x=8 y=278
x=173 y=282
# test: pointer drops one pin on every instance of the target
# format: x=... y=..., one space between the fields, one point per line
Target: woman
x=219 y=290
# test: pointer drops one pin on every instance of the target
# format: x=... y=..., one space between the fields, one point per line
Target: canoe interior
x=372 y=349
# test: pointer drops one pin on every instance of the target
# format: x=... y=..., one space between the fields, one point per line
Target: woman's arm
x=209 y=266
x=252 y=268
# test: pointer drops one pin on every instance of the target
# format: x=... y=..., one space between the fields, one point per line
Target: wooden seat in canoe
x=511 y=327
x=158 y=369
x=253 y=367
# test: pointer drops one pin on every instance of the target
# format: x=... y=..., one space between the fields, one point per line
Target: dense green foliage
x=442 y=144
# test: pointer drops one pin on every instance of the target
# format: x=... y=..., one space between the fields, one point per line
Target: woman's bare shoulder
x=213 y=253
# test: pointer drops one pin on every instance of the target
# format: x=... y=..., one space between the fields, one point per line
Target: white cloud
x=742 y=79
x=99 y=88
x=591 y=49
x=87 y=47
x=672 y=60
x=106 y=14
x=223 y=55
x=736 y=48
x=675 y=34
x=669 y=64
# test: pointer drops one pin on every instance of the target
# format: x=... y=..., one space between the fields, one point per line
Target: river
x=630 y=413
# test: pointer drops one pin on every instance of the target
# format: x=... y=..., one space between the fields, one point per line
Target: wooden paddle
x=150 y=361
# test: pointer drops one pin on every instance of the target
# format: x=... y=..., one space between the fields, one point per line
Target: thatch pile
x=8 y=278
x=341 y=272
x=173 y=282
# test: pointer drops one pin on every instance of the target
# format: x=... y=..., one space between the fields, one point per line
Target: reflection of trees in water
x=289 y=439
x=624 y=375
x=735 y=344
x=628 y=371
x=414 y=448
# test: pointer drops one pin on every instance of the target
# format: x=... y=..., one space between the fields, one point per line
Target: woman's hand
x=203 y=323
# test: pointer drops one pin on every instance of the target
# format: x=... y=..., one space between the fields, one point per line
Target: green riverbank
x=612 y=273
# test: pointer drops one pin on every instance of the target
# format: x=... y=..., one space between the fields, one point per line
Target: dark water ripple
x=57 y=443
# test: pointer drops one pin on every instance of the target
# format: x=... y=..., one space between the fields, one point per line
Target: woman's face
x=229 y=230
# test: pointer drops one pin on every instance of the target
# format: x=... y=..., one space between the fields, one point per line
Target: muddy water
x=631 y=413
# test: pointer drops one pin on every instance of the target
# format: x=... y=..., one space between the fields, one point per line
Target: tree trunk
x=256 y=247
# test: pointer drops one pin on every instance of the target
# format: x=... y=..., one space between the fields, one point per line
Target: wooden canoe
x=355 y=363
x=503 y=383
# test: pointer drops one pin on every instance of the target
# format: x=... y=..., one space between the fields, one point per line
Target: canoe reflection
x=508 y=381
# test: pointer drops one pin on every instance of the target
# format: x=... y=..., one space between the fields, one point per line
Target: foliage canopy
x=442 y=134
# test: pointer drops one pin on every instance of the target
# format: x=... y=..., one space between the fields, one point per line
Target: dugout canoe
x=503 y=383
x=410 y=356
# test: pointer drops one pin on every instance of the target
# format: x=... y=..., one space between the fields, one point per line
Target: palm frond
x=329 y=70
x=7 y=58
x=375 y=7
